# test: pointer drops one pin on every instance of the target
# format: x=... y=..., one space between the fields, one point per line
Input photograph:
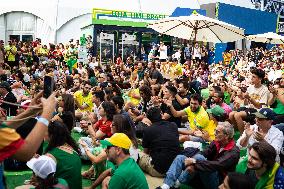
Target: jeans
x=1 y=176
x=177 y=171
x=90 y=146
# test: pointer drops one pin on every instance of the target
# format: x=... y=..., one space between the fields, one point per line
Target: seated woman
x=101 y=129
x=44 y=168
x=64 y=150
x=120 y=124
x=66 y=111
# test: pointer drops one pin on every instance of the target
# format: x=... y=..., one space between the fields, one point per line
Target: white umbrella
x=197 y=27
x=269 y=37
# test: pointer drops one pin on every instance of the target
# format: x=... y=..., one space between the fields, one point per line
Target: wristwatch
x=43 y=121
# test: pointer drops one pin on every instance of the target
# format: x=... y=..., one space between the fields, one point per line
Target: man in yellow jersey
x=197 y=117
x=84 y=100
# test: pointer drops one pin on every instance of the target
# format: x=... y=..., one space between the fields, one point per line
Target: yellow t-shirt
x=210 y=129
x=135 y=101
x=78 y=95
x=43 y=52
x=197 y=120
x=10 y=52
x=178 y=70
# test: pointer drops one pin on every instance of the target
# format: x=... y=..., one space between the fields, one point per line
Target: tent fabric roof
x=57 y=12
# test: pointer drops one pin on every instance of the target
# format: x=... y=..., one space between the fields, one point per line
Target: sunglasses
x=108 y=147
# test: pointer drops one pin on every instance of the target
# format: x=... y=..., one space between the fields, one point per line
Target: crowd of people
x=184 y=118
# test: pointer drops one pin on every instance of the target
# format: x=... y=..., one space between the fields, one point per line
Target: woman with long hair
x=66 y=111
x=102 y=128
x=69 y=82
x=64 y=150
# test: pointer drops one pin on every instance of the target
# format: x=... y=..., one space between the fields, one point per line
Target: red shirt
x=104 y=126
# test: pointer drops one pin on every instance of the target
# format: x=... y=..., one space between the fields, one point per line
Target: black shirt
x=188 y=95
x=166 y=109
x=11 y=110
x=161 y=139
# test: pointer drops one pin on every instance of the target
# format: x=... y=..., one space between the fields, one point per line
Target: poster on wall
x=83 y=54
x=274 y=6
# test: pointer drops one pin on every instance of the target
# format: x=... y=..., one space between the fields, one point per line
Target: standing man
x=10 y=54
x=2 y=54
x=163 y=52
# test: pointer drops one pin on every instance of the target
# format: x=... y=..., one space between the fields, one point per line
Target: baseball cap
x=5 y=85
x=216 y=111
x=118 y=139
x=42 y=166
x=265 y=113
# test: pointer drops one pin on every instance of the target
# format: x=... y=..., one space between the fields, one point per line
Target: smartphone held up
x=48 y=86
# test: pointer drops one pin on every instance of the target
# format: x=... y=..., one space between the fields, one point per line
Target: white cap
x=42 y=166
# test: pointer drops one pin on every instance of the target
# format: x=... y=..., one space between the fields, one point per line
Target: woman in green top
x=64 y=150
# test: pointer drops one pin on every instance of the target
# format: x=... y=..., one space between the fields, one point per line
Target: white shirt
x=177 y=55
x=93 y=65
x=260 y=95
x=163 y=52
x=196 y=53
x=274 y=137
x=133 y=152
x=81 y=70
x=274 y=74
x=251 y=64
x=26 y=78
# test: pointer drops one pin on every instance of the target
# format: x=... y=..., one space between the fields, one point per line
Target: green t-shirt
x=227 y=98
x=279 y=109
x=60 y=185
x=68 y=167
x=128 y=175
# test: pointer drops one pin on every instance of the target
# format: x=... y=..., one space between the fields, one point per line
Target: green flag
x=71 y=63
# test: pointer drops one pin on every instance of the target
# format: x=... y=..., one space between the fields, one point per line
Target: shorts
x=196 y=139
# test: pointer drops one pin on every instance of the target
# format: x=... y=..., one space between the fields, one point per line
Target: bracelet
x=43 y=121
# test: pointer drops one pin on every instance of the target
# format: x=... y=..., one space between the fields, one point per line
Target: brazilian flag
x=72 y=63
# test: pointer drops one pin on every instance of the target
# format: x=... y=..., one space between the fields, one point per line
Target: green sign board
x=123 y=18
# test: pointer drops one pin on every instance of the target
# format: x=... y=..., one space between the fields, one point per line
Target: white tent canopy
x=197 y=27
x=269 y=37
